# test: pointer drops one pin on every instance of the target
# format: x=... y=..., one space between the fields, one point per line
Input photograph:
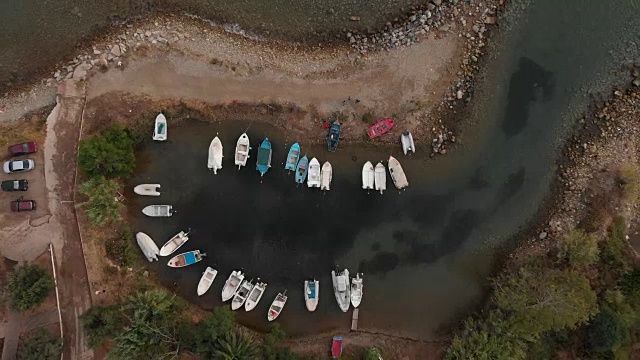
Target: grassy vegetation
x=29 y=285
x=579 y=248
x=29 y=129
x=629 y=177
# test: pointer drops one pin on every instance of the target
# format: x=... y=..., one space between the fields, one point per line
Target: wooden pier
x=354 y=319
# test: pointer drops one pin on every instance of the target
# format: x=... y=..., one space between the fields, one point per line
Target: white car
x=14 y=166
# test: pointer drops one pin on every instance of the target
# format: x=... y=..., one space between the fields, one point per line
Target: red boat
x=336 y=347
x=380 y=128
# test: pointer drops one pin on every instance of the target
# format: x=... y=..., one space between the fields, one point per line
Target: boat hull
x=160 y=128
x=263 y=162
x=231 y=285
x=380 y=178
x=406 y=139
x=326 y=176
x=254 y=296
x=148 y=246
x=158 y=210
x=276 y=306
x=311 y=294
x=186 y=259
x=242 y=150
x=147 y=189
x=206 y=280
x=215 y=155
x=342 y=289
x=313 y=179
x=397 y=174
x=241 y=295
x=381 y=127
x=292 y=157
x=356 y=291
x=174 y=243
x=334 y=136
x=301 y=169
x=368 y=176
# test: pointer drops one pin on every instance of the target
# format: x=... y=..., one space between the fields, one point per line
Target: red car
x=23 y=149
x=23 y=205
x=380 y=128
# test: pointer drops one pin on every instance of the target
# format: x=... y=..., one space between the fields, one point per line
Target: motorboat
x=206 y=280
x=406 y=139
x=301 y=169
x=397 y=174
x=148 y=246
x=311 y=294
x=325 y=176
x=160 y=128
x=381 y=127
x=254 y=296
x=147 y=189
x=313 y=180
x=158 y=210
x=342 y=289
x=186 y=259
x=215 y=155
x=380 y=177
x=242 y=150
x=264 y=157
x=174 y=243
x=241 y=295
x=334 y=136
x=292 y=157
x=356 y=290
x=368 y=176
x=277 y=305
x=232 y=284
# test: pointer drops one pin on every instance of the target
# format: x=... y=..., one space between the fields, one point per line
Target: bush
x=613 y=249
x=101 y=322
x=207 y=333
x=630 y=284
x=42 y=345
x=103 y=206
x=607 y=331
x=629 y=176
x=236 y=345
x=579 y=248
x=109 y=153
x=28 y=286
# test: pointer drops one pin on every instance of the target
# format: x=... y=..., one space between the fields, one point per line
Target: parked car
x=14 y=185
x=23 y=149
x=23 y=205
x=14 y=166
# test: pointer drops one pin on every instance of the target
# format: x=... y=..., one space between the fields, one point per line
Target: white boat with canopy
x=215 y=155
x=174 y=243
x=242 y=150
x=254 y=296
x=206 y=280
x=160 y=128
x=397 y=174
x=325 y=176
x=342 y=289
x=158 y=210
x=313 y=176
x=148 y=246
x=241 y=295
x=232 y=284
x=380 y=177
x=356 y=290
x=277 y=305
x=147 y=189
x=367 y=176
x=311 y=294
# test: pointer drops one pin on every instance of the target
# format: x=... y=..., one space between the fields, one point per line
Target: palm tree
x=236 y=346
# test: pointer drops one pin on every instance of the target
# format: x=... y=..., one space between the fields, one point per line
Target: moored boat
x=254 y=296
x=380 y=177
x=158 y=210
x=368 y=176
x=301 y=169
x=241 y=295
x=263 y=162
x=186 y=259
x=292 y=157
x=311 y=294
x=148 y=246
x=406 y=139
x=206 y=280
x=231 y=285
x=336 y=347
x=313 y=179
x=215 y=155
x=325 y=176
x=397 y=174
x=174 y=243
x=147 y=189
x=334 y=136
x=242 y=150
x=356 y=290
x=342 y=289
x=160 y=128
x=381 y=127
x=277 y=305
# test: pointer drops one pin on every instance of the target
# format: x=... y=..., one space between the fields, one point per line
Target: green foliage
x=109 y=153
x=270 y=348
x=539 y=300
x=28 y=286
x=579 y=248
x=607 y=331
x=613 y=249
x=373 y=354
x=42 y=345
x=629 y=176
x=549 y=344
x=101 y=322
x=366 y=117
x=207 y=333
x=122 y=250
x=630 y=284
x=236 y=346
x=103 y=206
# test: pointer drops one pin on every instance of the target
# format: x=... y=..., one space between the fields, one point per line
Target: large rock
x=80 y=72
x=115 y=50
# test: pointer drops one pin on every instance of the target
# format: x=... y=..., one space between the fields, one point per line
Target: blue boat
x=186 y=259
x=334 y=136
x=292 y=158
x=264 y=157
x=301 y=170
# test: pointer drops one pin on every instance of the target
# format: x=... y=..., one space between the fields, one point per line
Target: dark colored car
x=14 y=185
x=23 y=205
x=23 y=149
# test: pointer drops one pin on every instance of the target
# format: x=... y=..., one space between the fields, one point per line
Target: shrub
x=103 y=206
x=42 y=345
x=613 y=249
x=109 y=153
x=630 y=284
x=28 y=286
x=629 y=176
x=606 y=331
x=236 y=345
x=579 y=248
x=101 y=322
x=208 y=332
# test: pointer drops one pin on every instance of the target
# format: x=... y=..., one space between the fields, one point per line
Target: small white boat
x=158 y=210
x=148 y=246
x=254 y=296
x=160 y=128
x=232 y=284
x=367 y=176
x=342 y=289
x=397 y=174
x=311 y=294
x=242 y=150
x=276 y=306
x=206 y=280
x=174 y=243
x=380 y=178
x=325 y=176
x=356 y=291
x=147 y=189
x=406 y=139
x=241 y=295
x=313 y=176
x=215 y=155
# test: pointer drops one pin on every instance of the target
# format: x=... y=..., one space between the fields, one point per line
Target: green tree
x=579 y=248
x=630 y=285
x=101 y=322
x=203 y=338
x=613 y=249
x=540 y=300
x=28 y=286
x=236 y=346
x=103 y=205
x=42 y=345
x=109 y=153
x=607 y=331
